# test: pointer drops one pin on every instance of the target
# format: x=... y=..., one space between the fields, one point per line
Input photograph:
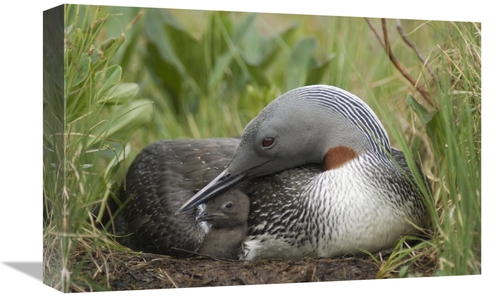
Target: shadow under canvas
x=33 y=269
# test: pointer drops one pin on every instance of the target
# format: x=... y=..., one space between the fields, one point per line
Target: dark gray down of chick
x=227 y=214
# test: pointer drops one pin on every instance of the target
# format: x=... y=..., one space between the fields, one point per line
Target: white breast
x=356 y=210
x=345 y=210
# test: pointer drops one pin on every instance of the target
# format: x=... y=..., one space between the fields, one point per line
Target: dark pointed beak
x=206 y=217
x=202 y=217
x=220 y=184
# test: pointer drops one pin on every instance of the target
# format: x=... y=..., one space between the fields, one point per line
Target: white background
x=21 y=145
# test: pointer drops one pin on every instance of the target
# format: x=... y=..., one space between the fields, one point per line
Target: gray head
x=314 y=124
x=226 y=210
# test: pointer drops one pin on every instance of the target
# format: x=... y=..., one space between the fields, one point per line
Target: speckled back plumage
x=161 y=178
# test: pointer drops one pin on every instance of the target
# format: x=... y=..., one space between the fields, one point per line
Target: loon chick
x=227 y=214
x=362 y=198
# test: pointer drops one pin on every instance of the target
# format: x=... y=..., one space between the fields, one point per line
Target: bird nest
x=125 y=270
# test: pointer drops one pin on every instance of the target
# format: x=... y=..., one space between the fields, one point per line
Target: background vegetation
x=134 y=76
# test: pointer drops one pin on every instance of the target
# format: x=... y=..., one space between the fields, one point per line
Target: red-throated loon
x=316 y=164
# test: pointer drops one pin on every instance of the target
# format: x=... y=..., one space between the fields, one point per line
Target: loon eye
x=228 y=205
x=268 y=141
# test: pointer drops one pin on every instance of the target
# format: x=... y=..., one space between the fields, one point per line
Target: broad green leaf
x=316 y=74
x=119 y=157
x=155 y=35
x=83 y=69
x=220 y=67
x=119 y=94
x=299 y=62
x=277 y=43
x=110 y=47
x=243 y=28
x=134 y=17
x=125 y=119
x=258 y=75
x=176 y=47
x=106 y=45
x=251 y=47
x=170 y=20
x=222 y=22
x=190 y=56
x=107 y=78
x=160 y=70
x=403 y=271
x=421 y=112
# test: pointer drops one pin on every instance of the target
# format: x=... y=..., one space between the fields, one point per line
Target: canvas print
x=190 y=148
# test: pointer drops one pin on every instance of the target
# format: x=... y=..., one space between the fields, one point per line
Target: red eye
x=267 y=142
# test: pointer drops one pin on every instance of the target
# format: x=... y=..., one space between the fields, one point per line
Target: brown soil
x=131 y=271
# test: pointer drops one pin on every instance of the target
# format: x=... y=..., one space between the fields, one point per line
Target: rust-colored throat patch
x=337 y=156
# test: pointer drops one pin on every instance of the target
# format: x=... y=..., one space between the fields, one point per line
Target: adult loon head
x=309 y=125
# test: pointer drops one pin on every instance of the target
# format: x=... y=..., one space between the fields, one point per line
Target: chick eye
x=228 y=205
x=267 y=142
